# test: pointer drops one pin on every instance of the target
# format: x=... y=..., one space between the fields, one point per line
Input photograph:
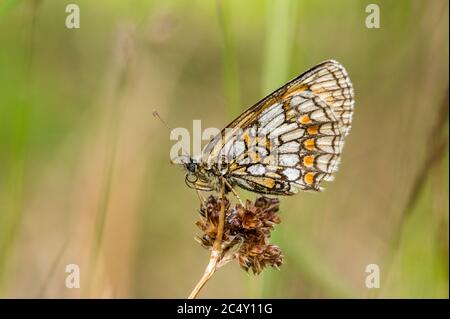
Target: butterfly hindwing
x=290 y=140
x=293 y=145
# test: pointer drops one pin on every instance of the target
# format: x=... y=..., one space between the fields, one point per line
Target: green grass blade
x=230 y=66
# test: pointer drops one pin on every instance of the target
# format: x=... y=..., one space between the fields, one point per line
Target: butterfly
x=291 y=140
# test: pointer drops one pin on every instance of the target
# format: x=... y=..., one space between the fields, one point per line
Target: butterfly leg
x=234 y=192
x=201 y=198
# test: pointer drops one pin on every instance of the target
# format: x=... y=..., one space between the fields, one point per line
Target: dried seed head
x=246 y=231
x=257 y=257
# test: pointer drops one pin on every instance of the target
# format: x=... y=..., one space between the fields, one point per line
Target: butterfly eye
x=192 y=167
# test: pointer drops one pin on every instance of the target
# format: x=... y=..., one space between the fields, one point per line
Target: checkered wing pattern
x=292 y=139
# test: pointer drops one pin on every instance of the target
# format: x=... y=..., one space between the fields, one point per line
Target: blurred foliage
x=85 y=176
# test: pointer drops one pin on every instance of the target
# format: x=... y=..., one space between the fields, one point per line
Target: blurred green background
x=85 y=176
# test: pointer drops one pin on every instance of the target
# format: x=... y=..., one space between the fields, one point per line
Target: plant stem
x=218 y=242
x=209 y=271
x=216 y=252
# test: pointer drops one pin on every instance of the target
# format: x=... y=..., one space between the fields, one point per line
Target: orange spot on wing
x=268 y=145
x=313 y=130
x=246 y=137
x=304 y=119
x=254 y=156
x=310 y=144
x=268 y=182
x=302 y=87
x=234 y=167
x=330 y=99
x=268 y=160
x=295 y=90
x=309 y=178
x=272 y=175
x=318 y=91
x=308 y=160
x=265 y=181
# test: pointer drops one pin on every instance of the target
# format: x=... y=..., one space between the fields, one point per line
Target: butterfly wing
x=292 y=139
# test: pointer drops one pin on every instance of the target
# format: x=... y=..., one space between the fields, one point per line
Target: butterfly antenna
x=156 y=115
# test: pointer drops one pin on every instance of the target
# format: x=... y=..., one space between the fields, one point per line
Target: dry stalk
x=216 y=250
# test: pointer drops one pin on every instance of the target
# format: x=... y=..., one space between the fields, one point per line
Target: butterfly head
x=196 y=176
x=191 y=167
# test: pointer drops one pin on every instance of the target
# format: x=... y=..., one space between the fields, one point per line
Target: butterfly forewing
x=290 y=140
x=330 y=81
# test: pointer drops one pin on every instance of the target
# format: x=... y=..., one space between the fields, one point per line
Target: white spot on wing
x=288 y=159
x=327 y=163
x=293 y=135
x=290 y=147
x=270 y=113
x=291 y=173
x=329 y=144
x=328 y=129
x=260 y=150
x=320 y=115
x=307 y=106
x=226 y=148
x=257 y=169
x=296 y=100
x=238 y=148
x=283 y=129
x=274 y=123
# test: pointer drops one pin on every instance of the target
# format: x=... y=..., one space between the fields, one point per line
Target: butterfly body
x=291 y=140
